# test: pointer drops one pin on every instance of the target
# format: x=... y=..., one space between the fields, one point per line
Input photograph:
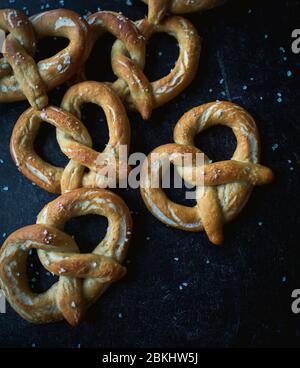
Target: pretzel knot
x=222 y=188
x=20 y=76
x=128 y=58
x=104 y=169
x=159 y=8
x=82 y=277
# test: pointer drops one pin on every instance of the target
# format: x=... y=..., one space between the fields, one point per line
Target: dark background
x=237 y=295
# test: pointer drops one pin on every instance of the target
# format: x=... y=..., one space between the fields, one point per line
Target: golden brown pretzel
x=119 y=139
x=158 y=8
x=27 y=79
x=74 y=141
x=128 y=58
x=226 y=185
x=19 y=49
x=128 y=67
x=82 y=277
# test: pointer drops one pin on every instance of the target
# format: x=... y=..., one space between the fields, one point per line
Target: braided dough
x=20 y=76
x=82 y=277
x=74 y=141
x=226 y=185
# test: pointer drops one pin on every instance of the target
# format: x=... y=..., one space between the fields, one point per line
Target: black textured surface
x=236 y=295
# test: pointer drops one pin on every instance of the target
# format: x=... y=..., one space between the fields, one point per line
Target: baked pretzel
x=158 y=8
x=20 y=76
x=82 y=277
x=74 y=141
x=114 y=152
x=222 y=188
x=128 y=58
x=128 y=68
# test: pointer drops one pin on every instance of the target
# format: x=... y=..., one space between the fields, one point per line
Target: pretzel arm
x=69 y=299
x=227 y=172
x=139 y=86
x=84 y=266
x=210 y=212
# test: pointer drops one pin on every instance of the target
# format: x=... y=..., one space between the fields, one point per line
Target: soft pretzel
x=128 y=67
x=21 y=77
x=128 y=58
x=116 y=150
x=82 y=277
x=158 y=8
x=19 y=48
x=75 y=142
x=222 y=188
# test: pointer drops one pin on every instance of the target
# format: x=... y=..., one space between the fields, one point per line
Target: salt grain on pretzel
x=82 y=277
x=222 y=188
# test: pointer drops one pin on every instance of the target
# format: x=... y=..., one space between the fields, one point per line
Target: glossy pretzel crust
x=222 y=188
x=82 y=277
x=20 y=76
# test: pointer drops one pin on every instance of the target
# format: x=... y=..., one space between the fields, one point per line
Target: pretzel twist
x=82 y=277
x=20 y=76
x=222 y=188
x=74 y=141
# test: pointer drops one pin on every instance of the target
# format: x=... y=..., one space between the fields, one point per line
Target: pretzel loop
x=27 y=79
x=222 y=188
x=22 y=150
x=82 y=277
x=184 y=71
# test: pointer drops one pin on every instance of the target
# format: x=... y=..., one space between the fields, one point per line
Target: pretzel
x=158 y=8
x=74 y=141
x=127 y=68
x=21 y=77
x=113 y=154
x=226 y=185
x=128 y=58
x=82 y=277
